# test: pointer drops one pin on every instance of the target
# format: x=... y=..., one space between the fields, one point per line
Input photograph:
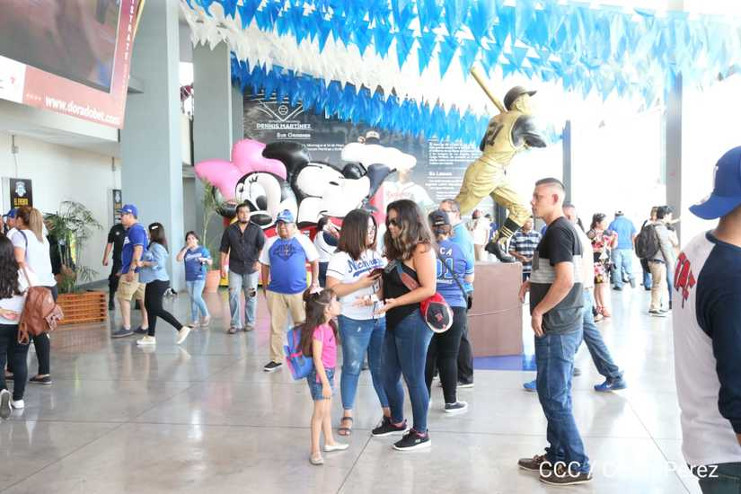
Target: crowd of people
x=365 y=294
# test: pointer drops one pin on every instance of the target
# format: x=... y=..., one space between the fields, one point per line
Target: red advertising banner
x=71 y=57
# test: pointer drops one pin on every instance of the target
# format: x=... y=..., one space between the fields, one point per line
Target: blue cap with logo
x=129 y=209
x=726 y=195
x=13 y=213
x=285 y=216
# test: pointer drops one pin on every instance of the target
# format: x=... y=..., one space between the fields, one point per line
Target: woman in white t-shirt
x=12 y=288
x=32 y=252
x=354 y=274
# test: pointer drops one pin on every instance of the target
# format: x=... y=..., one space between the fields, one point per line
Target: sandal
x=345 y=431
x=316 y=460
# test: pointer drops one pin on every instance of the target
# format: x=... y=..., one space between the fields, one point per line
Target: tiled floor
x=205 y=418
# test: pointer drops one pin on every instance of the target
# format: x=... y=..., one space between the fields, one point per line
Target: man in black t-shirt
x=556 y=300
x=116 y=238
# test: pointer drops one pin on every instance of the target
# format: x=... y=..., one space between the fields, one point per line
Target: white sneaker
x=194 y=323
x=18 y=404
x=183 y=334
x=147 y=340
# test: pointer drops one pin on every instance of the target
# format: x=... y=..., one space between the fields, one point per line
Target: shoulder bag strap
x=407 y=280
x=25 y=273
x=457 y=281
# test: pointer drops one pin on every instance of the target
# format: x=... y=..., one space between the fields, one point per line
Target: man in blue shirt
x=622 y=256
x=462 y=237
x=707 y=336
x=129 y=286
x=283 y=260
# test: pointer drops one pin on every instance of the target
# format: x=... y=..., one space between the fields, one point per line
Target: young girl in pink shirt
x=319 y=341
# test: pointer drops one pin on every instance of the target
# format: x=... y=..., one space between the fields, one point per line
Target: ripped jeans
x=359 y=336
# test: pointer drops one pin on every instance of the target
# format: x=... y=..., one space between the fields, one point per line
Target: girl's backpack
x=299 y=365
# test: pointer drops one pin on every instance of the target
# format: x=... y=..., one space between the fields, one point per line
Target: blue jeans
x=405 y=353
x=357 y=338
x=595 y=344
x=554 y=354
x=670 y=278
x=622 y=262
x=195 y=292
x=246 y=283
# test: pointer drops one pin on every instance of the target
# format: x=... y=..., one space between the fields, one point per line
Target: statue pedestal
x=495 y=320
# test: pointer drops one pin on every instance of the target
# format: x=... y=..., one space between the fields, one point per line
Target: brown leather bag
x=40 y=313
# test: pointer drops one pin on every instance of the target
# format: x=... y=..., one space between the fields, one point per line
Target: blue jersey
x=194 y=269
x=287 y=259
x=135 y=235
x=451 y=262
x=462 y=237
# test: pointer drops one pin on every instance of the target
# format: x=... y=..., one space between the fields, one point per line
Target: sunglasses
x=392 y=222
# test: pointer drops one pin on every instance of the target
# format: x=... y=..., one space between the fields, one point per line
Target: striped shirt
x=525 y=245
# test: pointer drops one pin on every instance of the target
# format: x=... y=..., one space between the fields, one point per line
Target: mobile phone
x=376 y=272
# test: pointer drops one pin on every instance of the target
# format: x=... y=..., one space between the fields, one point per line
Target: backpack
x=436 y=312
x=299 y=365
x=647 y=242
x=41 y=314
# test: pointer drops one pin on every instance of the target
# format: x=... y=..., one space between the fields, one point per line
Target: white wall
x=61 y=173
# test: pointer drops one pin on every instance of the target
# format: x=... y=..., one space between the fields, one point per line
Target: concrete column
x=151 y=173
x=568 y=157
x=673 y=150
x=237 y=114
x=213 y=116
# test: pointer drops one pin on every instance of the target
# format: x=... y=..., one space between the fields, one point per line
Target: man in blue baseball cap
x=10 y=222
x=707 y=335
x=129 y=286
x=283 y=262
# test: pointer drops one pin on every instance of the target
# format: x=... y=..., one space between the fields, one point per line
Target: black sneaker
x=657 y=313
x=45 y=380
x=122 y=333
x=413 y=440
x=5 y=409
x=141 y=330
x=538 y=463
x=497 y=249
x=457 y=407
x=272 y=366
x=462 y=384
x=561 y=475
x=386 y=428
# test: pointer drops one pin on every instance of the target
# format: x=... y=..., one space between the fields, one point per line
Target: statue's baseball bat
x=480 y=78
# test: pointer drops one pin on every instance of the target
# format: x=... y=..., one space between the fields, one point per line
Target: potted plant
x=213 y=277
x=69 y=230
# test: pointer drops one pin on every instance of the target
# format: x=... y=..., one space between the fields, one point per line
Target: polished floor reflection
x=205 y=418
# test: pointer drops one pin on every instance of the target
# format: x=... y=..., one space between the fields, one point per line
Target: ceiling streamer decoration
x=403 y=64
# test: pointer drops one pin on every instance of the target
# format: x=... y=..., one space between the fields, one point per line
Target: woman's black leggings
x=43 y=345
x=443 y=355
x=153 y=295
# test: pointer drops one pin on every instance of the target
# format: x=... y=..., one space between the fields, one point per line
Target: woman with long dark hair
x=410 y=250
x=13 y=284
x=154 y=273
x=603 y=241
x=453 y=269
x=354 y=275
x=32 y=252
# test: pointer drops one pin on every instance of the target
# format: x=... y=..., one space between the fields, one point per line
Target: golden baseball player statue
x=508 y=133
